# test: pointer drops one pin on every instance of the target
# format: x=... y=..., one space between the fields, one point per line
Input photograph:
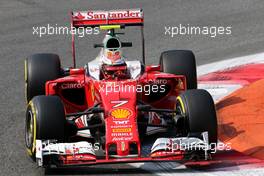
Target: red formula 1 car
x=111 y=111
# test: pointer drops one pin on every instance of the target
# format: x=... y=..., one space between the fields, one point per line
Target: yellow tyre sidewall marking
x=181 y=103
x=25 y=64
x=32 y=150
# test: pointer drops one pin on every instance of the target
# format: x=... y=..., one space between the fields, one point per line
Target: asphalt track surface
x=17 y=17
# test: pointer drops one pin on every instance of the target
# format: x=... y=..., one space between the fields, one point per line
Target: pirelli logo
x=121 y=130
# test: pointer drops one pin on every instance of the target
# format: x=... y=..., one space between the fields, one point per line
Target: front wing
x=84 y=153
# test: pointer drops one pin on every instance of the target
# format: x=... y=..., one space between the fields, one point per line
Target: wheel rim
x=179 y=108
x=29 y=130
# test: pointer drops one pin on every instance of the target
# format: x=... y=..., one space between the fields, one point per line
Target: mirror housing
x=126 y=44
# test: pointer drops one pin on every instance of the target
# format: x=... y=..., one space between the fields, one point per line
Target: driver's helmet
x=111 y=52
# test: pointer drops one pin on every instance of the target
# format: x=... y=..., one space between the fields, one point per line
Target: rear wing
x=93 y=18
x=99 y=18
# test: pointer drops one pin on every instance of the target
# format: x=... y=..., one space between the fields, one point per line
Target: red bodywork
x=120 y=118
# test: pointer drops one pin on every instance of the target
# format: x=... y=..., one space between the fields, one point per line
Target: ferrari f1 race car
x=113 y=110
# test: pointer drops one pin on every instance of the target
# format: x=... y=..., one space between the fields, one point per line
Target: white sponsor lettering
x=121 y=134
x=71 y=86
x=123 y=122
x=119 y=103
x=122 y=139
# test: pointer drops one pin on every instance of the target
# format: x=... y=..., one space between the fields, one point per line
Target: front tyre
x=198 y=108
x=45 y=119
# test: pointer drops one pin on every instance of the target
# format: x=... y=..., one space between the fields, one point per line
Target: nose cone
x=119 y=102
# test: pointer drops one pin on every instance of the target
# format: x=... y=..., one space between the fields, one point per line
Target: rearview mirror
x=126 y=44
x=98 y=45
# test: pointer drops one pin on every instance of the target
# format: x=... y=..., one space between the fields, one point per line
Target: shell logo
x=120 y=113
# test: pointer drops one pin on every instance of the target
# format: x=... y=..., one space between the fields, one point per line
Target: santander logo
x=103 y=15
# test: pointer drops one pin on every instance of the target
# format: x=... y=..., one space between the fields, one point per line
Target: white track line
x=231 y=62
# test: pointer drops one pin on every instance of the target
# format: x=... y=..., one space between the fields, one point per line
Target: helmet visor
x=113 y=44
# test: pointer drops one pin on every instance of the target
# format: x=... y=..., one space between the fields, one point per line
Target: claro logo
x=71 y=86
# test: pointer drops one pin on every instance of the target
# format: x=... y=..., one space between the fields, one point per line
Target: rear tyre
x=40 y=68
x=180 y=62
x=45 y=119
x=198 y=107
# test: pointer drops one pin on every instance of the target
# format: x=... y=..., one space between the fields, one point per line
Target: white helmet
x=111 y=53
